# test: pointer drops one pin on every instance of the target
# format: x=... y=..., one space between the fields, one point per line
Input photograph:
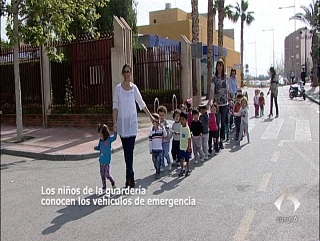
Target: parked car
x=257 y=83
x=263 y=83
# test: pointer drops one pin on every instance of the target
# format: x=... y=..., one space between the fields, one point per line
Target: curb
x=313 y=100
x=60 y=157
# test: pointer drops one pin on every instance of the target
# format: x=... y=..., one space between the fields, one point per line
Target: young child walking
x=261 y=103
x=256 y=103
x=185 y=145
x=104 y=146
x=176 y=137
x=213 y=129
x=244 y=113
x=204 y=118
x=236 y=113
x=162 y=112
x=196 y=131
x=157 y=133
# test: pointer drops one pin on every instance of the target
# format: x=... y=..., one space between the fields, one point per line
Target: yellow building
x=173 y=22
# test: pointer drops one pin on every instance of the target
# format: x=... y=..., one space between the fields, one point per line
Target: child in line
x=176 y=137
x=162 y=112
x=104 y=146
x=236 y=113
x=256 y=103
x=188 y=103
x=196 y=131
x=244 y=113
x=228 y=119
x=157 y=133
x=213 y=129
x=261 y=103
x=204 y=118
x=185 y=145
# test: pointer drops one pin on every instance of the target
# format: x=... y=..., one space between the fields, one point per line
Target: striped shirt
x=155 y=138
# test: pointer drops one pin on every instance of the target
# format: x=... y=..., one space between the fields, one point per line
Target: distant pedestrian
x=104 y=146
x=303 y=76
x=244 y=113
x=292 y=77
x=219 y=93
x=274 y=92
x=233 y=84
x=256 y=103
x=261 y=103
x=125 y=118
x=157 y=133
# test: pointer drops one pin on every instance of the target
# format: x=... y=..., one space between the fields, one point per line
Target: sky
x=258 y=56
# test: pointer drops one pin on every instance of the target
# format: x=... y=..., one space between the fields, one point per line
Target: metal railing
x=174 y=102
x=156 y=100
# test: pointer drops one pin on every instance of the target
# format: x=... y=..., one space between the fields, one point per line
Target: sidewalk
x=73 y=144
x=62 y=144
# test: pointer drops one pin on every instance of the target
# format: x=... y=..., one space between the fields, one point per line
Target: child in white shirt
x=244 y=113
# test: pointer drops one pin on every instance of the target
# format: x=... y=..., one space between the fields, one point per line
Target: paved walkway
x=77 y=143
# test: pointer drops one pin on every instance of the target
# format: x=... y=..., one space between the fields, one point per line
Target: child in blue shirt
x=104 y=146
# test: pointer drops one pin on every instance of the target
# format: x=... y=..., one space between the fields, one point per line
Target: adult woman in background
x=125 y=118
x=274 y=92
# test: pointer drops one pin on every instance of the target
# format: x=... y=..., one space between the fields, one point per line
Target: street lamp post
x=255 y=55
x=306 y=36
x=265 y=30
x=294 y=12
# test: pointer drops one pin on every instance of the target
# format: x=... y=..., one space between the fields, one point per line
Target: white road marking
x=275 y=156
x=244 y=226
x=264 y=182
x=302 y=132
x=273 y=130
x=301 y=154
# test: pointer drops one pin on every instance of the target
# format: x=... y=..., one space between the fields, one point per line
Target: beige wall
x=167 y=16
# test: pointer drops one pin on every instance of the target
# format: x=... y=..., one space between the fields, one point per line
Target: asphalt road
x=232 y=196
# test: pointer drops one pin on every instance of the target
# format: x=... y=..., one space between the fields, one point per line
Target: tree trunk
x=195 y=21
x=220 y=27
x=209 y=44
x=241 y=51
x=17 y=71
x=315 y=61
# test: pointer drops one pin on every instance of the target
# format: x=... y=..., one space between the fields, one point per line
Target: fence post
x=174 y=102
x=156 y=100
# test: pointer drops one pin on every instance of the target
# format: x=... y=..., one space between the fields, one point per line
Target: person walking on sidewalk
x=274 y=92
x=219 y=93
x=104 y=146
x=233 y=84
x=125 y=118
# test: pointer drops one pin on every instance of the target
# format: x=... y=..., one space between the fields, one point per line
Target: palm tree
x=223 y=12
x=310 y=16
x=209 y=44
x=246 y=17
x=195 y=38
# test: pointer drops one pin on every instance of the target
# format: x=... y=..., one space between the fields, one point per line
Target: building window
x=154 y=20
x=297 y=56
x=96 y=75
x=297 y=37
x=297 y=46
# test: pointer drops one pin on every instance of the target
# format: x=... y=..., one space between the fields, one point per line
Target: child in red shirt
x=213 y=129
x=261 y=104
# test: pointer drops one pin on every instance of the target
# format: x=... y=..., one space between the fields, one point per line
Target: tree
x=280 y=66
x=311 y=17
x=52 y=19
x=209 y=45
x=195 y=38
x=241 y=11
x=104 y=24
x=223 y=12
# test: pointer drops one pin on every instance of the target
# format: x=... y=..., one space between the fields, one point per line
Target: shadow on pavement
x=74 y=212
x=7 y=165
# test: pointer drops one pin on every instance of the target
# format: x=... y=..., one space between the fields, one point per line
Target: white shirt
x=244 y=113
x=125 y=102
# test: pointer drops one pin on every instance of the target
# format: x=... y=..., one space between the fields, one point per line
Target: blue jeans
x=128 y=147
x=165 y=147
x=157 y=157
x=222 y=116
